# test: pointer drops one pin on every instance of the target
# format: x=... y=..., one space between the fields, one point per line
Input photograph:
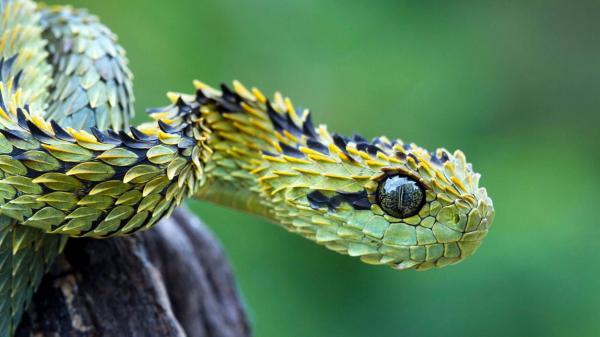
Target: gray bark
x=171 y=281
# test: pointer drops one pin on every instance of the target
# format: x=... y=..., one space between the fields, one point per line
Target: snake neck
x=230 y=145
x=265 y=156
x=253 y=153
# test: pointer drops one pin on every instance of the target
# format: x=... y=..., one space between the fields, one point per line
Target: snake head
x=431 y=206
x=386 y=202
x=383 y=201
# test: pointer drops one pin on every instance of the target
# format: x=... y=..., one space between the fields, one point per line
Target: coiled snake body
x=70 y=165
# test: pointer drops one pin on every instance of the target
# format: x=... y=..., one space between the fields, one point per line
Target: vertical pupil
x=400 y=193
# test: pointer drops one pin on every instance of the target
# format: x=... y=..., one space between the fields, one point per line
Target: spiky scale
x=5 y=145
x=100 y=202
x=29 y=201
x=175 y=167
x=23 y=144
x=22 y=184
x=7 y=191
x=111 y=188
x=129 y=198
x=11 y=166
x=15 y=212
x=92 y=171
x=149 y=202
x=74 y=227
x=39 y=161
x=141 y=174
x=58 y=182
x=135 y=222
x=68 y=152
x=103 y=228
x=119 y=157
x=45 y=218
x=156 y=185
x=60 y=200
x=119 y=213
x=161 y=154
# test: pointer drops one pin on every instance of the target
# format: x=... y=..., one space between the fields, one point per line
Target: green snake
x=71 y=166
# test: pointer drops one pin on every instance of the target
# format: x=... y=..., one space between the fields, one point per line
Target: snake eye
x=400 y=196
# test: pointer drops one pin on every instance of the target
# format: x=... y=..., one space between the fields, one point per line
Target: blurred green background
x=514 y=84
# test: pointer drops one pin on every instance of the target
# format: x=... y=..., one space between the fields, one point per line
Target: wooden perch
x=171 y=281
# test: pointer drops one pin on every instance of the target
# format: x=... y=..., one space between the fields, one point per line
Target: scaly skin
x=384 y=201
x=63 y=85
x=91 y=81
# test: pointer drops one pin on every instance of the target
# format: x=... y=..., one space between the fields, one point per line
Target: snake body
x=70 y=165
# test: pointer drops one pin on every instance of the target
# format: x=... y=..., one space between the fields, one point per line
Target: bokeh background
x=515 y=84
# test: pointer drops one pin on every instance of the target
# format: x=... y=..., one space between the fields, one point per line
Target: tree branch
x=171 y=281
